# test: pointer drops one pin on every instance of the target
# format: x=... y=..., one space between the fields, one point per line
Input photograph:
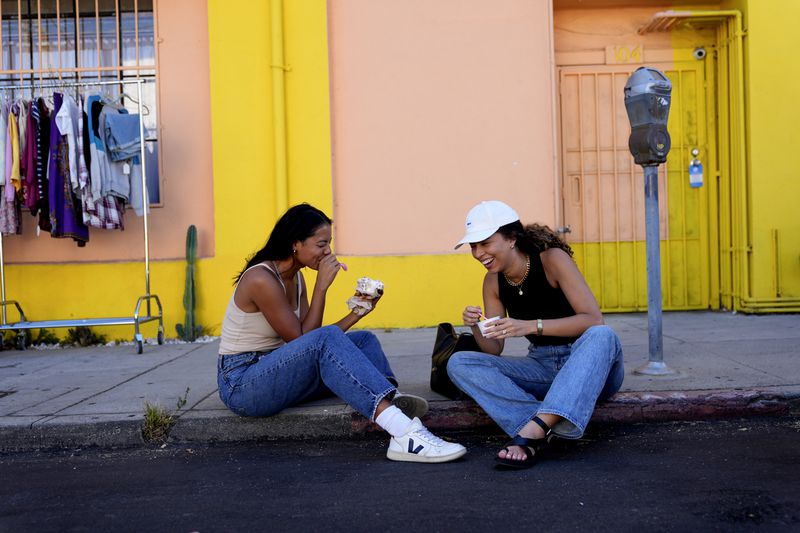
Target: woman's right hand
x=328 y=268
x=472 y=315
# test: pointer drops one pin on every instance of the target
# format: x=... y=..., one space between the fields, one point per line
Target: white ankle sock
x=393 y=421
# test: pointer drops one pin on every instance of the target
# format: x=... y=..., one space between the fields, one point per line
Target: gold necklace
x=524 y=276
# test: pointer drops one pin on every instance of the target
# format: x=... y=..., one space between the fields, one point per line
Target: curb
x=339 y=421
x=57 y=436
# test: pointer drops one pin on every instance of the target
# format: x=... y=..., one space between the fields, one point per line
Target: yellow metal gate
x=603 y=191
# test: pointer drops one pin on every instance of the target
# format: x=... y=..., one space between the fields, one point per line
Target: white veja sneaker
x=411 y=405
x=419 y=445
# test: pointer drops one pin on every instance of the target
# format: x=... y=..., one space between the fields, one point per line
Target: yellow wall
x=772 y=87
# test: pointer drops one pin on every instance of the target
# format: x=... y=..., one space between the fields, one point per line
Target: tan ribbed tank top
x=251 y=332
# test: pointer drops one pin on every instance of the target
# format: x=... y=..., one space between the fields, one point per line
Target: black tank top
x=538 y=300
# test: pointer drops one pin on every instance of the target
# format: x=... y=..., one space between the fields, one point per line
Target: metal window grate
x=47 y=40
x=52 y=41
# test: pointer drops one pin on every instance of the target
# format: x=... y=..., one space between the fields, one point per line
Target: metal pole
x=63 y=85
x=655 y=366
x=145 y=196
x=2 y=276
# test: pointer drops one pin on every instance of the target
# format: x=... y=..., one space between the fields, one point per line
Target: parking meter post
x=655 y=365
x=647 y=102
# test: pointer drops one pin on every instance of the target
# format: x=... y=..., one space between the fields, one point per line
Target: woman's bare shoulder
x=257 y=277
x=557 y=264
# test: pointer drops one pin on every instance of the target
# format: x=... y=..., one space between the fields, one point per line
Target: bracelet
x=539 y=327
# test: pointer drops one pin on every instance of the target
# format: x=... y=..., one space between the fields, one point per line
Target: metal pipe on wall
x=279 y=108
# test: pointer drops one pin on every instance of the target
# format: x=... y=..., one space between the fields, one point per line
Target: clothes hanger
x=145 y=109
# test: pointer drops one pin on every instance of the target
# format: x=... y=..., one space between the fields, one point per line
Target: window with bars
x=52 y=41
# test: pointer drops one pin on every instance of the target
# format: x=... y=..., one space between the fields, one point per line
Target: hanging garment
x=137 y=190
x=12 y=161
x=116 y=180
x=104 y=212
x=65 y=213
x=123 y=139
x=30 y=189
x=68 y=120
x=107 y=211
x=22 y=122
x=42 y=118
x=9 y=216
x=124 y=143
x=124 y=177
x=3 y=134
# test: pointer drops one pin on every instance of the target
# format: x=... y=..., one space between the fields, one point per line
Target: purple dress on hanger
x=65 y=212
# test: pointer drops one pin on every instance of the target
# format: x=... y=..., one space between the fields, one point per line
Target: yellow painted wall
x=72 y=291
x=772 y=87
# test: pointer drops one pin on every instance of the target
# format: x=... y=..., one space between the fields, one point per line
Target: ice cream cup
x=488 y=322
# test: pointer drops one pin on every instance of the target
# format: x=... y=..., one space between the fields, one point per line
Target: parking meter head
x=647 y=101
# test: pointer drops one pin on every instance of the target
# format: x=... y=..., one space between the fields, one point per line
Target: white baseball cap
x=486 y=218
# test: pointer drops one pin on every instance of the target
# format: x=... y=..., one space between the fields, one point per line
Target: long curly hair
x=534 y=238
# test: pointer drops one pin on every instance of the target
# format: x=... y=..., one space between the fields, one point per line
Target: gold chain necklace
x=524 y=276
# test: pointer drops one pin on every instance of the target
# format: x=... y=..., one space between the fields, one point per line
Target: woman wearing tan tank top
x=274 y=352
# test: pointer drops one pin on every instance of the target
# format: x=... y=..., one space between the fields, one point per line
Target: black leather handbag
x=447 y=343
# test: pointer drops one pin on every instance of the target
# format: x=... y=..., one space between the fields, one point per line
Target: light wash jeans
x=320 y=363
x=564 y=380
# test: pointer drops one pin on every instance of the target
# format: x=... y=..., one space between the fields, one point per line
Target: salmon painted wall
x=436 y=106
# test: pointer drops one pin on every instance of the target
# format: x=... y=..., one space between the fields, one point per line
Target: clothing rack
x=137 y=319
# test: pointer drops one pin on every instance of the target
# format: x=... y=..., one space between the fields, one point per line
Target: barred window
x=52 y=41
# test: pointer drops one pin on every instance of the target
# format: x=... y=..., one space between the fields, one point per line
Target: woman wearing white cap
x=534 y=287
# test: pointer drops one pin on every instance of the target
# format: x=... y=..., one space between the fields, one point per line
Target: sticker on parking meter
x=696 y=174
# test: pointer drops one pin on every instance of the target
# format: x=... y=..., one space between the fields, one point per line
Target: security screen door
x=603 y=191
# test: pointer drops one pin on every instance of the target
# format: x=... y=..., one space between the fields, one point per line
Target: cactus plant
x=190 y=329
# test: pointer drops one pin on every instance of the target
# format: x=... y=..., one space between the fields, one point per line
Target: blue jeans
x=322 y=362
x=562 y=380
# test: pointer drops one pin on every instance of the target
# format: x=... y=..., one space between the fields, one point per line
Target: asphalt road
x=738 y=475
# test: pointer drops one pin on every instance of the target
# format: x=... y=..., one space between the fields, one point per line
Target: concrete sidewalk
x=728 y=365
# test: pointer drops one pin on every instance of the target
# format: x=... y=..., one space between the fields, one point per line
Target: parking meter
x=647 y=101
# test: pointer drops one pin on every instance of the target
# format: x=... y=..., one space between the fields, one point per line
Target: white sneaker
x=419 y=445
x=412 y=406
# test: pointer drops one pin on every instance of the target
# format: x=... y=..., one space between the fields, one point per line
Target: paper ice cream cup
x=488 y=322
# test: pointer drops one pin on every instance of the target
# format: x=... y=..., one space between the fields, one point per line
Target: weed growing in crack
x=158 y=421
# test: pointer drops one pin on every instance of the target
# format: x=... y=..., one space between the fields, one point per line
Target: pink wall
x=436 y=106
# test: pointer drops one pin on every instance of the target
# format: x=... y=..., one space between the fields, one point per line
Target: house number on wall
x=624 y=54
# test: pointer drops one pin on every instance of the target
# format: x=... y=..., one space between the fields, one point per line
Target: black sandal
x=530 y=447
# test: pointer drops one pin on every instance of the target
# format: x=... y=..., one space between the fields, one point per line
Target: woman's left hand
x=505 y=328
x=372 y=299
